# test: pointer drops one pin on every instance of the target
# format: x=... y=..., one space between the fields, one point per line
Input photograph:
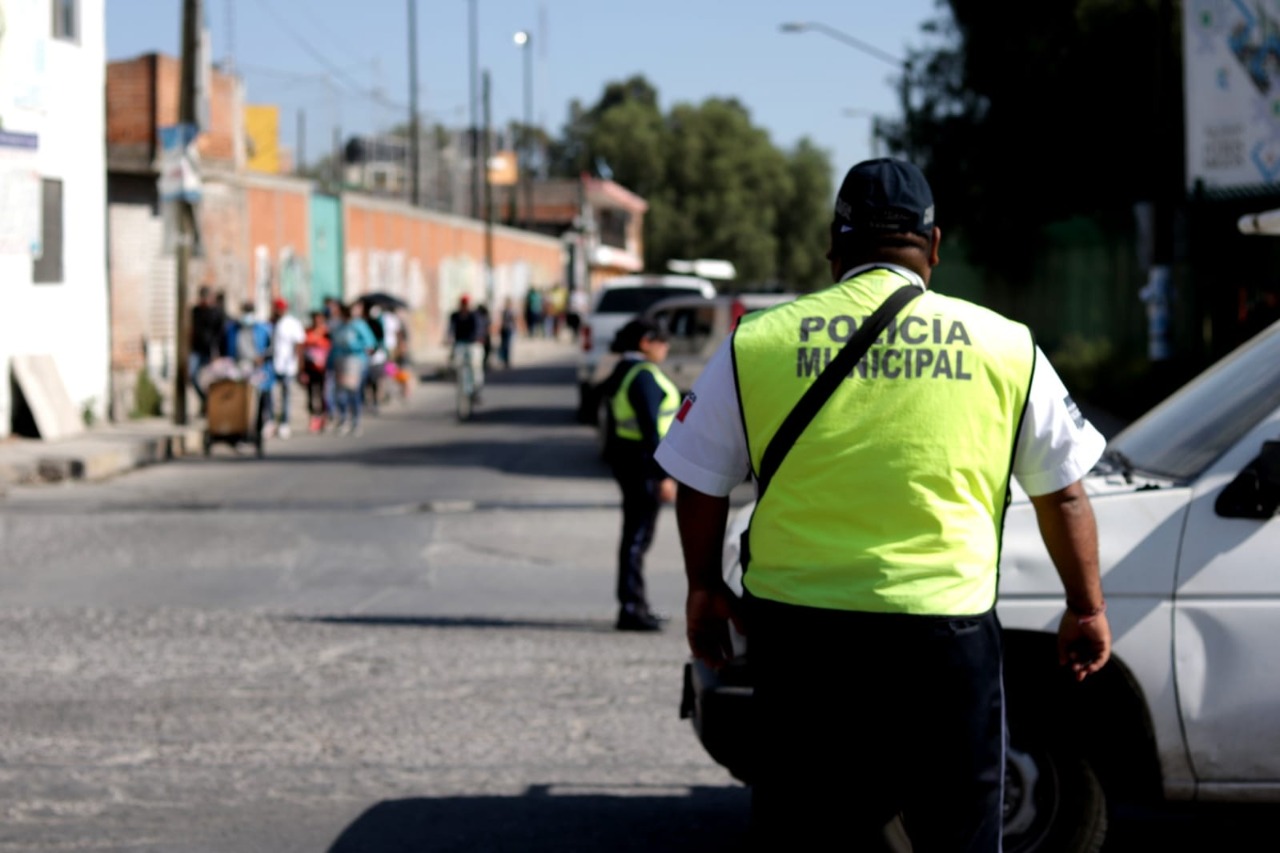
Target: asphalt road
x=401 y=642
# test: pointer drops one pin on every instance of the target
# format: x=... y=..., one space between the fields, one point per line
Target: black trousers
x=640 y=507
x=876 y=726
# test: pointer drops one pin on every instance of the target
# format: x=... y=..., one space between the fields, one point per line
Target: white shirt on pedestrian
x=286 y=335
x=706 y=447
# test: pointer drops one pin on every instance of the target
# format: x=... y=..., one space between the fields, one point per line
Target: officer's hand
x=667 y=491
x=1085 y=648
x=708 y=614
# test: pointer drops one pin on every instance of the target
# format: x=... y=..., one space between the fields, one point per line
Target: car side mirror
x=1255 y=492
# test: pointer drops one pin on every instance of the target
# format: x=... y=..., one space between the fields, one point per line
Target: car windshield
x=1183 y=435
x=633 y=300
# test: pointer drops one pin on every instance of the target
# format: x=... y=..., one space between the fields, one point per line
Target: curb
x=94 y=456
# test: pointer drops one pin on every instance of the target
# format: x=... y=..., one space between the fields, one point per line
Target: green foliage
x=716 y=185
x=1059 y=108
x=147 y=402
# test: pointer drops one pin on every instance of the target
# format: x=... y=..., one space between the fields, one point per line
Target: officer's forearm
x=702 y=519
x=1070 y=533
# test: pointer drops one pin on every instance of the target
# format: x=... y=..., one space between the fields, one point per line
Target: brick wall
x=143 y=95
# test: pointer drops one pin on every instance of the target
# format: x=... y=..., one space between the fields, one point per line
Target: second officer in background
x=643 y=402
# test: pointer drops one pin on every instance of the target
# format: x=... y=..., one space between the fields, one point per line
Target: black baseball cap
x=629 y=336
x=883 y=196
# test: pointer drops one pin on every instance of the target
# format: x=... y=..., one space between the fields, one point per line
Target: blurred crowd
x=348 y=359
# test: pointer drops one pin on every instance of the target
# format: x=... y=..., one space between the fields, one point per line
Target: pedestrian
x=507 y=333
x=577 y=309
x=394 y=341
x=351 y=342
x=533 y=312
x=870 y=564
x=248 y=345
x=484 y=334
x=207 y=323
x=378 y=358
x=315 y=359
x=643 y=402
x=287 y=339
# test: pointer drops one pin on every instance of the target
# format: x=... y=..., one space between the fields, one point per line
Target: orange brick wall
x=143 y=95
x=427 y=259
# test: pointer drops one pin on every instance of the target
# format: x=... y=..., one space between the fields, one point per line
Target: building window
x=66 y=20
x=47 y=268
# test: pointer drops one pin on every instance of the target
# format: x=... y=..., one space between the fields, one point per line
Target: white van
x=1186 y=499
x=618 y=300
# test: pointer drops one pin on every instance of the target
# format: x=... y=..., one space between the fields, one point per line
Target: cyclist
x=466 y=345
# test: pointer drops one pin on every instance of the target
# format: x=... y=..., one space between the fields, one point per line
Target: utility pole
x=475 y=130
x=300 y=160
x=415 y=163
x=526 y=169
x=192 y=16
x=488 y=204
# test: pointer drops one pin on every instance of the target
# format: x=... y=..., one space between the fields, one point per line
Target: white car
x=618 y=301
x=1186 y=499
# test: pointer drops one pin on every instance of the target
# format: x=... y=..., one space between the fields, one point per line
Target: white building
x=53 y=278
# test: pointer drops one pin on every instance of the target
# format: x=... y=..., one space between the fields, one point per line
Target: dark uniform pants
x=640 y=505
x=872 y=724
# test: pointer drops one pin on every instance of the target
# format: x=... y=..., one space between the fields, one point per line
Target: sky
x=347 y=63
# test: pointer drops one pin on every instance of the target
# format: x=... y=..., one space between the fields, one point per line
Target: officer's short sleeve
x=705 y=448
x=1056 y=445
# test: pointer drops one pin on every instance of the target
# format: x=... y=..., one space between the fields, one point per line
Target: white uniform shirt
x=285 y=337
x=706 y=447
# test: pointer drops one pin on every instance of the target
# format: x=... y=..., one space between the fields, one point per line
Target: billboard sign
x=1231 y=61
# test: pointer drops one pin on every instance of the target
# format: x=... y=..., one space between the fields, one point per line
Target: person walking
x=351 y=342
x=208 y=322
x=315 y=360
x=287 y=337
x=871 y=560
x=642 y=403
x=507 y=333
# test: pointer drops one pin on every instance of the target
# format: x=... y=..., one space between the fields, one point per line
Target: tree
x=1057 y=108
x=716 y=185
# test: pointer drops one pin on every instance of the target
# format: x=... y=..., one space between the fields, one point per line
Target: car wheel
x=1052 y=802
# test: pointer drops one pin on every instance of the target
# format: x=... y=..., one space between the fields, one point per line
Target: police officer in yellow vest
x=870 y=564
x=643 y=402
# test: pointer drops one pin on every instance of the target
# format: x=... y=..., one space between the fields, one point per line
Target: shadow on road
x=556 y=818
x=580 y=625
x=543 y=374
x=546 y=457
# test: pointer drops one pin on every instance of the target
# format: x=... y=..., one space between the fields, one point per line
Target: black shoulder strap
x=827 y=382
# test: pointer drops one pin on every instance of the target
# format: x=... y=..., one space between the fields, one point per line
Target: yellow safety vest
x=626 y=424
x=893 y=499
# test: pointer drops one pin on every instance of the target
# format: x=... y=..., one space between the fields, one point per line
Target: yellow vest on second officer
x=892 y=500
x=626 y=424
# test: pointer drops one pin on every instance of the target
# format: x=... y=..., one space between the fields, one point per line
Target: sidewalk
x=109 y=449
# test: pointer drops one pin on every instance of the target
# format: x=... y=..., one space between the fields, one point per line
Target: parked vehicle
x=1186 y=499
x=618 y=300
x=696 y=326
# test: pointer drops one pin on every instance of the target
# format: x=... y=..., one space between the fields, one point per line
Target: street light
x=524 y=40
x=903 y=65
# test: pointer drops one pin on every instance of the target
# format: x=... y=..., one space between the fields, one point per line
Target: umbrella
x=386 y=300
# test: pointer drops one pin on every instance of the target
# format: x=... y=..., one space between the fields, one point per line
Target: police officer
x=870 y=564
x=643 y=402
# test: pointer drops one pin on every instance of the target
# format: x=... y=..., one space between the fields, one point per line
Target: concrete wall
x=68 y=319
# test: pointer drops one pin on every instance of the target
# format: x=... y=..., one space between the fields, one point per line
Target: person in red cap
x=287 y=338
